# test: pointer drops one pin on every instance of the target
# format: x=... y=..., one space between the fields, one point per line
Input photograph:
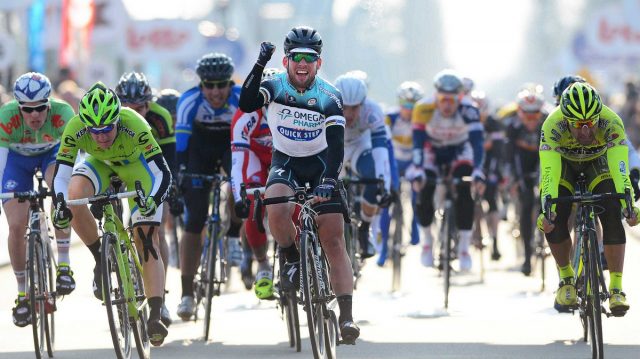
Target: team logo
x=299 y=135
x=284 y=114
x=312 y=101
x=10 y=185
x=545 y=147
x=291 y=99
x=623 y=167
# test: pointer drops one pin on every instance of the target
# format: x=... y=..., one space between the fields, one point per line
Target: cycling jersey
x=194 y=111
x=444 y=135
x=134 y=155
x=522 y=149
x=163 y=130
x=494 y=148
x=368 y=133
x=401 y=134
x=251 y=147
x=20 y=138
x=22 y=149
x=557 y=143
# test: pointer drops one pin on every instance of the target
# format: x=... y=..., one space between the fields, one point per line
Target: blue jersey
x=298 y=121
x=193 y=108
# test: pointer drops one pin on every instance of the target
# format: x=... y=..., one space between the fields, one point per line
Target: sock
x=187 y=285
x=155 y=304
x=63 y=250
x=615 y=281
x=291 y=253
x=345 y=303
x=95 y=250
x=264 y=265
x=566 y=271
x=21 y=278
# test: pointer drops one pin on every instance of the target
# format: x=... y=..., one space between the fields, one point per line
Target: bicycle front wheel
x=311 y=294
x=211 y=287
x=593 y=300
x=139 y=322
x=49 y=300
x=37 y=279
x=113 y=292
x=396 y=249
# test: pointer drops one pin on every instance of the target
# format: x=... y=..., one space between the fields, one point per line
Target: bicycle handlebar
x=586 y=198
x=26 y=196
x=107 y=197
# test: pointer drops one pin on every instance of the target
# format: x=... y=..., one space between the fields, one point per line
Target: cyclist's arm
x=66 y=157
x=617 y=152
x=169 y=153
x=186 y=111
x=379 y=138
x=252 y=96
x=471 y=117
x=550 y=164
x=242 y=127
x=156 y=164
x=334 y=127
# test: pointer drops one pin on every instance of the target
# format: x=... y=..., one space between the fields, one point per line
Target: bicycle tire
x=396 y=248
x=36 y=288
x=113 y=289
x=210 y=286
x=331 y=339
x=310 y=293
x=175 y=241
x=293 y=320
x=597 y=350
x=446 y=255
x=50 y=302
x=351 y=239
x=139 y=322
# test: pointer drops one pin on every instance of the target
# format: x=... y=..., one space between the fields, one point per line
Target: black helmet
x=303 y=37
x=168 y=98
x=215 y=66
x=134 y=88
x=563 y=83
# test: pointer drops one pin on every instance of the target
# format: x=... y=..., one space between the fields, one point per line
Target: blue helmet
x=32 y=87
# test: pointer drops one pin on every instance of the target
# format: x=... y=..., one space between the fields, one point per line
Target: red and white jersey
x=251 y=147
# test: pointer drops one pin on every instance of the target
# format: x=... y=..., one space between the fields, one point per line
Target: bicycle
x=40 y=279
x=213 y=269
x=316 y=294
x=122 y=283
x=397 y=249
x=590 y=283
x=354 y=189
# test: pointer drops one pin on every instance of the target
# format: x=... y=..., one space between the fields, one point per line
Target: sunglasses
x=215 y=84
x=308 y=58
x=575 y=123
x=36 y=108
x=101 y=130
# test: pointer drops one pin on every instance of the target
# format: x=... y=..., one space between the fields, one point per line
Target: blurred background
x=500 y=44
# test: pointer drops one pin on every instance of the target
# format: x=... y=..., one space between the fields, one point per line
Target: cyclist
x=204 y=146
x=583 y=135
x=365 y=151
x=523 y=136
x=251 y=148
x=306 y=116
x=30 y=131
x=399 y=122
x=134 y=92
x=494 y=143
x=447 y=131
x=634 y=160
x=118 y=141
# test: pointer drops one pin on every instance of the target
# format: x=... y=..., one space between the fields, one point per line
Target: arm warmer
x=335 y=151
x=250 y=97
x=161 y=178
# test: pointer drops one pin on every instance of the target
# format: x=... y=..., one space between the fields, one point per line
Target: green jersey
x=134 y=141
x=16 y=135
x=161 y=124
x=556 y=143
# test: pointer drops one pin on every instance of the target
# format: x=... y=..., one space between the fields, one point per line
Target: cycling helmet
x=481 y=100
x=134 y=88
x=214 y=67
x=448 y=81
x=99 y=107
x=409 y=92
x=563 y=83
x=359 y=74
x=530 y=101
x=580 y=101
x=467 y=85
x=303 y=38
x=168 y=98
x=32 y=87
x=353 y=90
x=269 y=72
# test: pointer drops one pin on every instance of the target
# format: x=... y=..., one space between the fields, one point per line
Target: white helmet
x=409 y=92
x=353 y=89
x=32 y=87
x=530 y=101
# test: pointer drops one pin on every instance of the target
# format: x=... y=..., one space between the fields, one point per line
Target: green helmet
x=99 y=107
x=580 y=102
